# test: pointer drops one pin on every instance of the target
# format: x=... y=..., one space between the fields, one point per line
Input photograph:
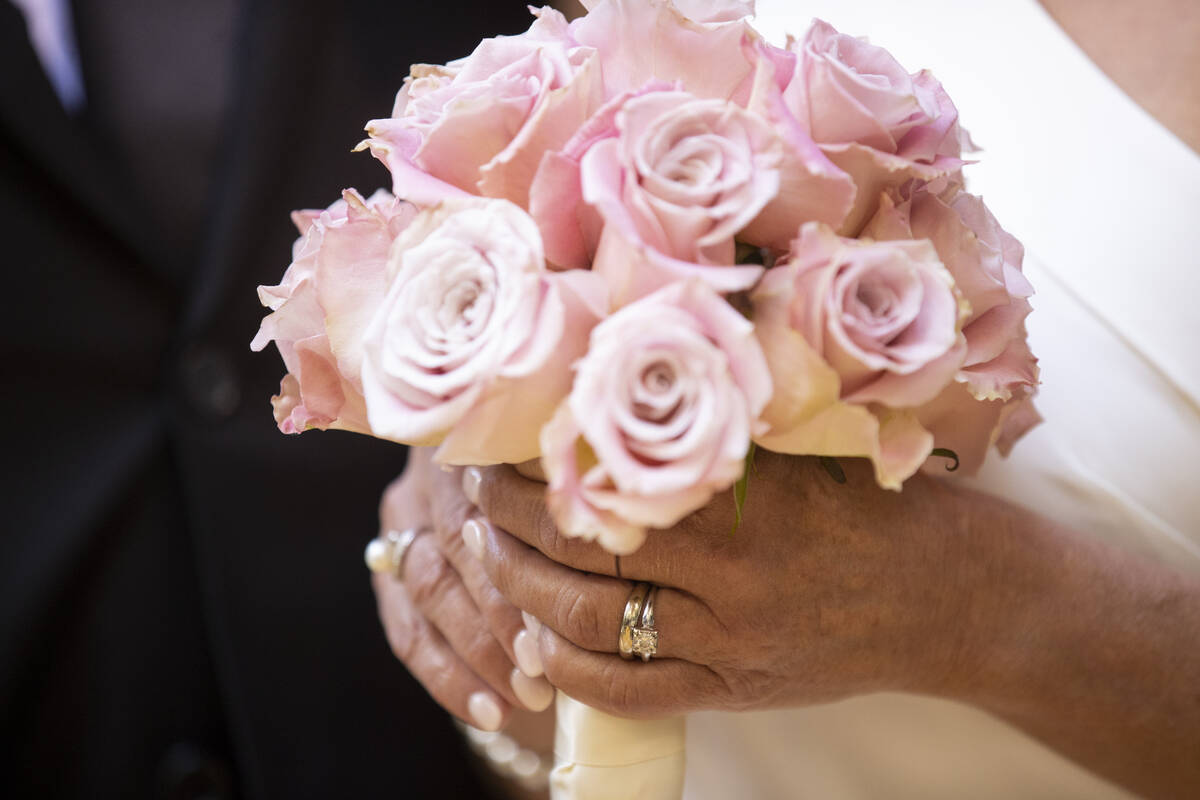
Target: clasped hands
x=825 y=590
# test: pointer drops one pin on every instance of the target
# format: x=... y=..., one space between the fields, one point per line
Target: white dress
x=1107 y=202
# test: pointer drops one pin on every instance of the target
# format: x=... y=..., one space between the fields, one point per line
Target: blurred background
x=184 y=610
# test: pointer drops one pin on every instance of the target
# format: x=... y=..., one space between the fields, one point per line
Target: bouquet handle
x=598 y=756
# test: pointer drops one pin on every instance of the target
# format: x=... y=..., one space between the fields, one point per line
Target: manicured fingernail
x=471 y=478
x=536 y=694
x=525 y=645
x=532 y=623
x=473 y=534
x=485 y=714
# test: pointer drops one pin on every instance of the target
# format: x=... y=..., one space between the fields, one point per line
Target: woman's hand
x=826 y=590
x=443 y=617
x=829 y=590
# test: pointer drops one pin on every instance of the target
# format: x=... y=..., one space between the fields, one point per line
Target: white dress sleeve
x=1106 y=201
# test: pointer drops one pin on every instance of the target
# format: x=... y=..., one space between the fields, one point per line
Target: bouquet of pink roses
x=634 y=244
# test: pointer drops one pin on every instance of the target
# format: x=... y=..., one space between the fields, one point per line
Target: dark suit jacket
x=183 y=604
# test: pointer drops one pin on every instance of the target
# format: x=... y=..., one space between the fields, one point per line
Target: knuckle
x=505 y=578
x=402 y=636
x=502 y=617
x=621 y=696
x=442 y=680
x=549 y=540
x=702 y=522
x=744 y=690
x=429 y=577
x=480 y=648
x=450 y=520
x=564 y=672
x=578 y=618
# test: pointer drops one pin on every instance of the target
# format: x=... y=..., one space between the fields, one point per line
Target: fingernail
x=525 y=645
x=473 y=534
x=471 y=478
x=532 y=623
x=485 y=714
x=536 y=694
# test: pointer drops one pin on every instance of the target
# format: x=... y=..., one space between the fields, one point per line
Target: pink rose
x=340 y=253
x=658 y=183
x=674 y=187
x=858 y=333
x=999 y=371
x=985 y=261
x=884 y=315
x=472 y=344
x=570 y=228
x=480 y=125
x=871 y=117
x=659 y=418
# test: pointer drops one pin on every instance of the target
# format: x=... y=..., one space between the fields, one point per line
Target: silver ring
x=385 y=554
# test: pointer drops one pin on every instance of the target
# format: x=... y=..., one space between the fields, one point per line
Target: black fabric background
x=183 y=606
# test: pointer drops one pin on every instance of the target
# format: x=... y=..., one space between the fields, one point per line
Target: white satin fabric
x=600 y=757
x=1106 y=201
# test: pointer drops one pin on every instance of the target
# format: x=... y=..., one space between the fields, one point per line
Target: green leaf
x=834 y=469
x=750 y=254
x=740 y=488
x=946 y=452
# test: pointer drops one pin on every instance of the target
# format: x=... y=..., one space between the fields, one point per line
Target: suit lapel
x=278 y=51
x=41 y=131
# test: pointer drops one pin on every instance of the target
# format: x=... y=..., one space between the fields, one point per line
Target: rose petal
x=811 y=186
x=565 y=498
x=875 y=172
x=395 y=146
x=503 y=426
x=963 y=424
x=557 y=116
x=805 y=415
x=1015 y=367
x=351 y=273
x=641 y=40
x=634 y=271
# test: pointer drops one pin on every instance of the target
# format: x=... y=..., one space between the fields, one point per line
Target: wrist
x=1086 y=647
x=994 y=592
x=1043 y=611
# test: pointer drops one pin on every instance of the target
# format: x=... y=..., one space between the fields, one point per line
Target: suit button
x=188 y=772
x=210 y=382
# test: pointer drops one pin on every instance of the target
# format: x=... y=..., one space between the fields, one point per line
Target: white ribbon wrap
x=600 y=757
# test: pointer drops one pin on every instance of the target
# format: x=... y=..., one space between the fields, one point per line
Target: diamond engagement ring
x=645 y=635
x=385 y=554
x=638 y=636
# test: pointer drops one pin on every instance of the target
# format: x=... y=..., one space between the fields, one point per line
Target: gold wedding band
x=638 y=636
